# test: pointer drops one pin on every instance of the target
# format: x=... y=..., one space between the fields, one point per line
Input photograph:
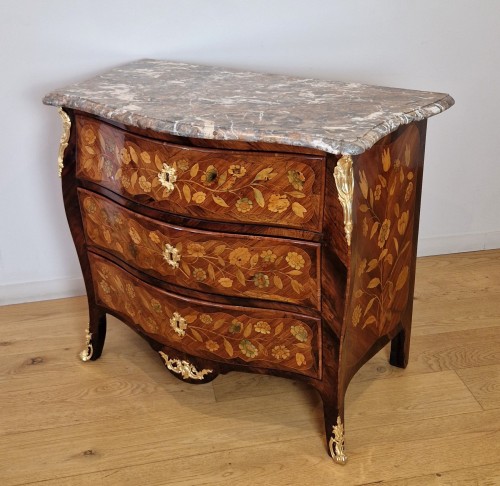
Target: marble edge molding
x=213 y=132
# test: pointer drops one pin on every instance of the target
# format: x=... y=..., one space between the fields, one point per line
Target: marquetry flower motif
x=199 y=274
x=206 y=319
x=384 y=232
x=378 y=192
x=199 y=197
x=299 y=332
x=295 y=260
x=237 y=170
x=211 y=345
x=105 y=286
x=296 y=179
x=154 y=237
x=144 y=184
x=226 y=282
x=268 y=256
x=356 y=315
x=129 y=289
x=156 y=306
x=261 y=280
x=244 y=205
x=107 y=235
x=210 y=175
x=280 y=352
x=196 y=249
x=235 y=327
x=403 y=222
x=178 y=324
x=263 y=327
x=90 y=205
x=278 y=203
x=183 y=164
x=136 y=238
x=88 y=136
x=125 y=181
x=409 y=190
x=167 y=177
x=240 y=256
x=125 y=156
x=248 y=349
x=107 y=168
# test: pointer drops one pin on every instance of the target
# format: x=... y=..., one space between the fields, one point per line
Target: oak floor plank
x=484 y=384
x=488 y=475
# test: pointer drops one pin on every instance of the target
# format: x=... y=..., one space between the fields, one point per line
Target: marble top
x=224 y=104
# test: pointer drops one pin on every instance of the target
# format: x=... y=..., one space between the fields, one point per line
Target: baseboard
x=41 y=290
x=71 y=287
x=442 y=245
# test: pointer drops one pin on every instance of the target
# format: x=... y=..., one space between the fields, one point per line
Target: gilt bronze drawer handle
x=167 y=177
x=184 y=368
x=171 y=255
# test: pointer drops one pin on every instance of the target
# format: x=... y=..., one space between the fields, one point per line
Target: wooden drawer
x=244 y=266
x=268 y=188
x=257 y=337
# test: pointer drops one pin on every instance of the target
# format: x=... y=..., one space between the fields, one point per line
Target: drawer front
x=243 y=266
x=256 y=337
x=220 y=185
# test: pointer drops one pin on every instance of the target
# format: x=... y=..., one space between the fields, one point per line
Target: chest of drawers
x=247 y=222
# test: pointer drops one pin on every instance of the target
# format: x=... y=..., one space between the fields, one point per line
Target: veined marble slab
x=223 y=104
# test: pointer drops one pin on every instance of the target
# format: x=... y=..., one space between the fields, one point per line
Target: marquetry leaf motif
x=194 y=170
x=218 y=323
x=264 y=174
x=259 y=198
x=228 y=347
x=298 y=209
x=240 y=277
x=373 y=283
x=133 y=154
x=196 y=335
x=158 y=162
x=372 y=265
x=374 y=229
x=248 y=330
x=296 y=286
x=187 y=192
x=278 y=329
x=402 y=278
x=219 y=249
x=369 y=306
x=218 y=200
x=296 y=194
x=278 y=282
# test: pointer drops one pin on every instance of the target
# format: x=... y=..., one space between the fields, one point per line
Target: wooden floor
x=124 y=420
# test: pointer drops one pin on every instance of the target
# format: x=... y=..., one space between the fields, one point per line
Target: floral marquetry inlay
x=385 y=214
x=281 y=189
x=269 y=339
x=267 y=268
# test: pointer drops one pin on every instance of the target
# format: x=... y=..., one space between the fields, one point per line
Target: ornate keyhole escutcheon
x=168 y=177
x=172 y=255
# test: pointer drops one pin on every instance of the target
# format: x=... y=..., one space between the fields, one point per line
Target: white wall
x=445 y=45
